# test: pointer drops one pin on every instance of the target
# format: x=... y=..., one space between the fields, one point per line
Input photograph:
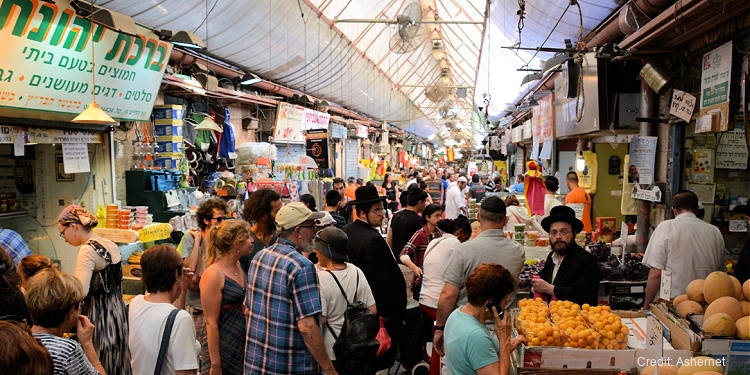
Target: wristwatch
x=439 y=328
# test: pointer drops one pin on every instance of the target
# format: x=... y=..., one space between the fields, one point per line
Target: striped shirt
x=282 y=289
x=67 y=355
x=13 y=242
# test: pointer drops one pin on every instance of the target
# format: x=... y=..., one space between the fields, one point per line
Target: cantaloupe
x=737 y=287
x=689 y=307
x=663 y=370
x=746 y=290
x=743 y=328
x=679 y=299
x=745 y=308
x=706 y=373
x=726 y=305
x=694 y=291
x=717 y=284
x=720 y=324
x=695 y=365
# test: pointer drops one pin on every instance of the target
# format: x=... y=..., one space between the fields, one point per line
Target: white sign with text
x=76 y=158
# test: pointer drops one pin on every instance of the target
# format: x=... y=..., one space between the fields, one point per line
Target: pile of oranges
x=566 y=324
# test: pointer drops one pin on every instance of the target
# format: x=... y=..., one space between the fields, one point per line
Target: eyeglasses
x=378 y=211
x=62 y=232
x=562 y=233
x=17 y=319
x=220 y=218
x=305 y=226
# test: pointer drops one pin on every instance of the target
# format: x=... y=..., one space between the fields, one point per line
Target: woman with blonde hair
x=55 y=300
x=222 y=295
x=99 y=268
x=31 y=265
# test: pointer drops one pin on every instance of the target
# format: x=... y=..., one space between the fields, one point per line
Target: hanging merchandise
x=227 y=150
x=588 y=175
x=534 y=189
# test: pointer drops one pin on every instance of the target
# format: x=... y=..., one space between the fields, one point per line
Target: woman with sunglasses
x=99 y=268
x=330 y=246
x=11 y=296
x=55 y=300
x=210 y=212
x=222 y=296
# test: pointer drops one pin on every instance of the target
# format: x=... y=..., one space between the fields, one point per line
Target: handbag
x=384 y=338
x=165 y=341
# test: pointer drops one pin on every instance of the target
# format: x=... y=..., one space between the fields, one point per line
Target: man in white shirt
x=552 y=184
x=687 y=246
x=455 y=200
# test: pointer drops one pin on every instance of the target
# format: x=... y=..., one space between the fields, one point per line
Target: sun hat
x=294 y=214
x=366 y=194
x=332 y=242
x=561 y=213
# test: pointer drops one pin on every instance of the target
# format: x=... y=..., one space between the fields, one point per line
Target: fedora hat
x=562 y=213
x=332 y=242
x=366 y=194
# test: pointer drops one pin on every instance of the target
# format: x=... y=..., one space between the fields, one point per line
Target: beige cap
x=294 y=214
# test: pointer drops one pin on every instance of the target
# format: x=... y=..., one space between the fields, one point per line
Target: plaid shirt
x=11 y=241
x=282 y=288
x=417 y=244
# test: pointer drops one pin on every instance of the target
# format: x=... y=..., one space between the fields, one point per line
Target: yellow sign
x=155 y=232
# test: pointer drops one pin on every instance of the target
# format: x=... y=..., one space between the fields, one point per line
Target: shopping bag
x=383 y=338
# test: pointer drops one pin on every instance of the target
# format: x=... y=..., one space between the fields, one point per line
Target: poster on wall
x=317 y=147
x=543 y=119
x=289 y=123
x=47 y=66
x=702 y=164
x=642 y=157
x=716 y=74
x=731 y=152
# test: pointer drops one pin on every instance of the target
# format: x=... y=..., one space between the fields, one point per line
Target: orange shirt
x=579 y=196
x=349 y=191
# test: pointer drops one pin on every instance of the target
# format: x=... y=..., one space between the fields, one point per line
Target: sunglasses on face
x=220 y=218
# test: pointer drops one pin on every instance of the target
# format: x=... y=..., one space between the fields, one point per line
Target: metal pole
x=644 y=207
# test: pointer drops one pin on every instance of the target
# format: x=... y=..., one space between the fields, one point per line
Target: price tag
x=682 y=105
x=666 y=285
x=655 y=338
x=155 y=232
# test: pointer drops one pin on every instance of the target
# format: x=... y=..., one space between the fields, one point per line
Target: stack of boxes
x=168 y=131
x=472 y=209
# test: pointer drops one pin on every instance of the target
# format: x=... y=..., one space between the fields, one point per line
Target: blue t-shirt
x=517 y=188
x=469 y=345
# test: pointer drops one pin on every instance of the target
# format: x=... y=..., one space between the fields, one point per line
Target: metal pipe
x=643 y=206
x=392 y=21
x=610 y=32
x=664 y=20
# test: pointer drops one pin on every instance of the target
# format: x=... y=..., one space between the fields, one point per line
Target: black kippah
x=493 y=205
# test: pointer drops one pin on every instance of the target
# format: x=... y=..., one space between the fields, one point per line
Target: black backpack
x=355 y=345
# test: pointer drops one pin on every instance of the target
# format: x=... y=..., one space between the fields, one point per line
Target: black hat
x=332 y=242
x=742 y=209
x=366 y=194
x=562 y=213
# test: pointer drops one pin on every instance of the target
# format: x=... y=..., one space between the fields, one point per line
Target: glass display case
x=31 y=231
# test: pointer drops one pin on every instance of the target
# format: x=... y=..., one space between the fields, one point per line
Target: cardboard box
x=166 y=163
x=171 y=147
x=714 y=346
x=169 y=138
x=168 y=112
x=171 y=129
x=676 y=329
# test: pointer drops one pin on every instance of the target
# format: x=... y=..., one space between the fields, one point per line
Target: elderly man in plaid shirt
x=283 y=327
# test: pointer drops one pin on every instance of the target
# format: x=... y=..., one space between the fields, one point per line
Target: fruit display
x=566 y=324
x=531 y=268
x=722 y=301
x=629 y=268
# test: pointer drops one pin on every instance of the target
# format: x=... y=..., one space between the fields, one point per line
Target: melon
x=745 y=308
x=743 y=328
x=689 y=307
x=727 y=305
x=720 y=324
x=706 y=373
x=737 y=287
x=694 y=291
x=695 y=365
x=717 y=284
x=663 y=370
x=680 y=299
x=746 y=290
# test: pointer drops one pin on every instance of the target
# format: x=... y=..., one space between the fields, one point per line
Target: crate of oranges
x=608 y=324
x=576 y=333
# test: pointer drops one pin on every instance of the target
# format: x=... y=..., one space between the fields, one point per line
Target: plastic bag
x=383 y=338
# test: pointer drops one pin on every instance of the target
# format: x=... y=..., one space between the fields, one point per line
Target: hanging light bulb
x=93 y=114
x=445 y=76
x=437 y=49
x=580 y=161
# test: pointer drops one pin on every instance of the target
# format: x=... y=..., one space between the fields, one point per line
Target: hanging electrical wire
x=553 y=30
x=521 y=16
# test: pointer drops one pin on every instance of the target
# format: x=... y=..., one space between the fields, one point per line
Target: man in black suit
x=570 y=273
x=369 y=251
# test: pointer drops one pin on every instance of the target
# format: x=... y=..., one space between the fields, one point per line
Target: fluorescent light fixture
x=249 y=79
x=187 y=39
x=431 y=136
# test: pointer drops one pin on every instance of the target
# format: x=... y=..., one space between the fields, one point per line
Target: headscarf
x=77 y=214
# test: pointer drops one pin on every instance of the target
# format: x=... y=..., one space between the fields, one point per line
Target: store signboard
x=642 y=159
x=290 y=120
x=716 y=74
x=316 y=120
x=526 y=129
x=8 y=134
x=46 y=62
x=543 y=119
x=317 y=147
x=362 y=131
x=731 y=153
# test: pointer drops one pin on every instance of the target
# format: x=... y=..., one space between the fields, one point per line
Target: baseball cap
x=294 y=214
x=327 y=219
x=462 y=179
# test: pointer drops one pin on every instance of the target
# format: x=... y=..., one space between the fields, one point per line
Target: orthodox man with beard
x=570 y=273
